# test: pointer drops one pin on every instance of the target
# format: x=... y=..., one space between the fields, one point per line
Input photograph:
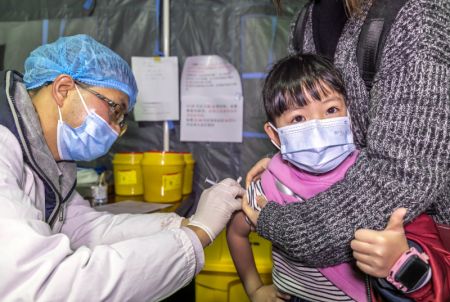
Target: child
x=304 y=99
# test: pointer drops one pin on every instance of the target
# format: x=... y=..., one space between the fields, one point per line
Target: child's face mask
x=316 y=146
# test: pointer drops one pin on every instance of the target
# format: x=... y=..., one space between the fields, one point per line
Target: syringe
x=212 y=182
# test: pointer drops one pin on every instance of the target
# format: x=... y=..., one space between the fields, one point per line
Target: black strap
x=299 y=30
x=2 y=56
x=372 y=38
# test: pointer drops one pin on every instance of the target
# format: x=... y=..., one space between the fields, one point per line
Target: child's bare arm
x=238 y=231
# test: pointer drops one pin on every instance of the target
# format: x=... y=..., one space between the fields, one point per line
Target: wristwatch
x=410 y=270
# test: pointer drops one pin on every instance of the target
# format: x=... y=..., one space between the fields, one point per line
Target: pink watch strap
x=403 y=258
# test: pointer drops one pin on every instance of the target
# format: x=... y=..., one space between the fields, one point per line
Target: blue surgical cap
x=85 y=60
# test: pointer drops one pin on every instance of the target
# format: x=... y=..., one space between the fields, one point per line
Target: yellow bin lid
x=161 y=158
x=188 y=158
x=128 y=158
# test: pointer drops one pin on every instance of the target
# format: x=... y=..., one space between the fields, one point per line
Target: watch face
x=411 y=272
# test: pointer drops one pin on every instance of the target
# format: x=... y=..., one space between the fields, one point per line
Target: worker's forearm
x=201 y=234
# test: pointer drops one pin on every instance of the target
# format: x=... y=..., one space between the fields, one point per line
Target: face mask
x=317 y=146
x=92 y=139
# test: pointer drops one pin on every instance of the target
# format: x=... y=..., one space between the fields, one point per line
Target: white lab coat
x=90 y=255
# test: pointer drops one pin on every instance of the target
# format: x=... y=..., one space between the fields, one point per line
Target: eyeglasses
x=117 y=113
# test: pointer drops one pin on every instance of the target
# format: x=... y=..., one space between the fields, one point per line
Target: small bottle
x=100 y=192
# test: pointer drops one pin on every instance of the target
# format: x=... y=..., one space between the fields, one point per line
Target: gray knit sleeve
x=405 y=159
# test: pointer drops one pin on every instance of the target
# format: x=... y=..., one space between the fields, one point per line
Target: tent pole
x=166 y=51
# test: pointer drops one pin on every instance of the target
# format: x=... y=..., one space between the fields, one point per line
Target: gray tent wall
x=249 y=34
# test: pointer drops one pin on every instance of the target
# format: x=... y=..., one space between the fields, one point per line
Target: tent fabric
x=249 y=34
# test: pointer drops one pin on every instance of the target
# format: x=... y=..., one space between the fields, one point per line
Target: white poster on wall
x=211 y=100
x=157 y=81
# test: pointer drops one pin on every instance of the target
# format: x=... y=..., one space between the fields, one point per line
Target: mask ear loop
x=82 y=99
x=271 y=140
x=58 y=133
x=60 y=115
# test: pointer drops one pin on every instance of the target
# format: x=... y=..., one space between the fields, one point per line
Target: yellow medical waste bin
x=188 y=173
x=163 y=176
x=219 y=281
x=128 y=173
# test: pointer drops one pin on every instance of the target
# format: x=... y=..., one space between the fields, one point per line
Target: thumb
x=396 y=220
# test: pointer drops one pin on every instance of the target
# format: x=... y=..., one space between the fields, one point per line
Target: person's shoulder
x=418 y=34
x=424 y=13
x=6 y=136
x=276 y=162
x=10 y=146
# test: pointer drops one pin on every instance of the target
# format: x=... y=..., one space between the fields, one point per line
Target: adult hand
x=268 y=293
x=251 y=213
x=256 y=171
x=215 y=207
x=377 y=251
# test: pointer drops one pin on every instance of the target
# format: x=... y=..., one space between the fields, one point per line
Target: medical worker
x=71 y=105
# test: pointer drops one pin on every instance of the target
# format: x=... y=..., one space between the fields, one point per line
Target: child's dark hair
x=293 y=76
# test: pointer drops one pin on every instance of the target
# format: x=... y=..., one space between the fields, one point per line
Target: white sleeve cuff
x=198 y=249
